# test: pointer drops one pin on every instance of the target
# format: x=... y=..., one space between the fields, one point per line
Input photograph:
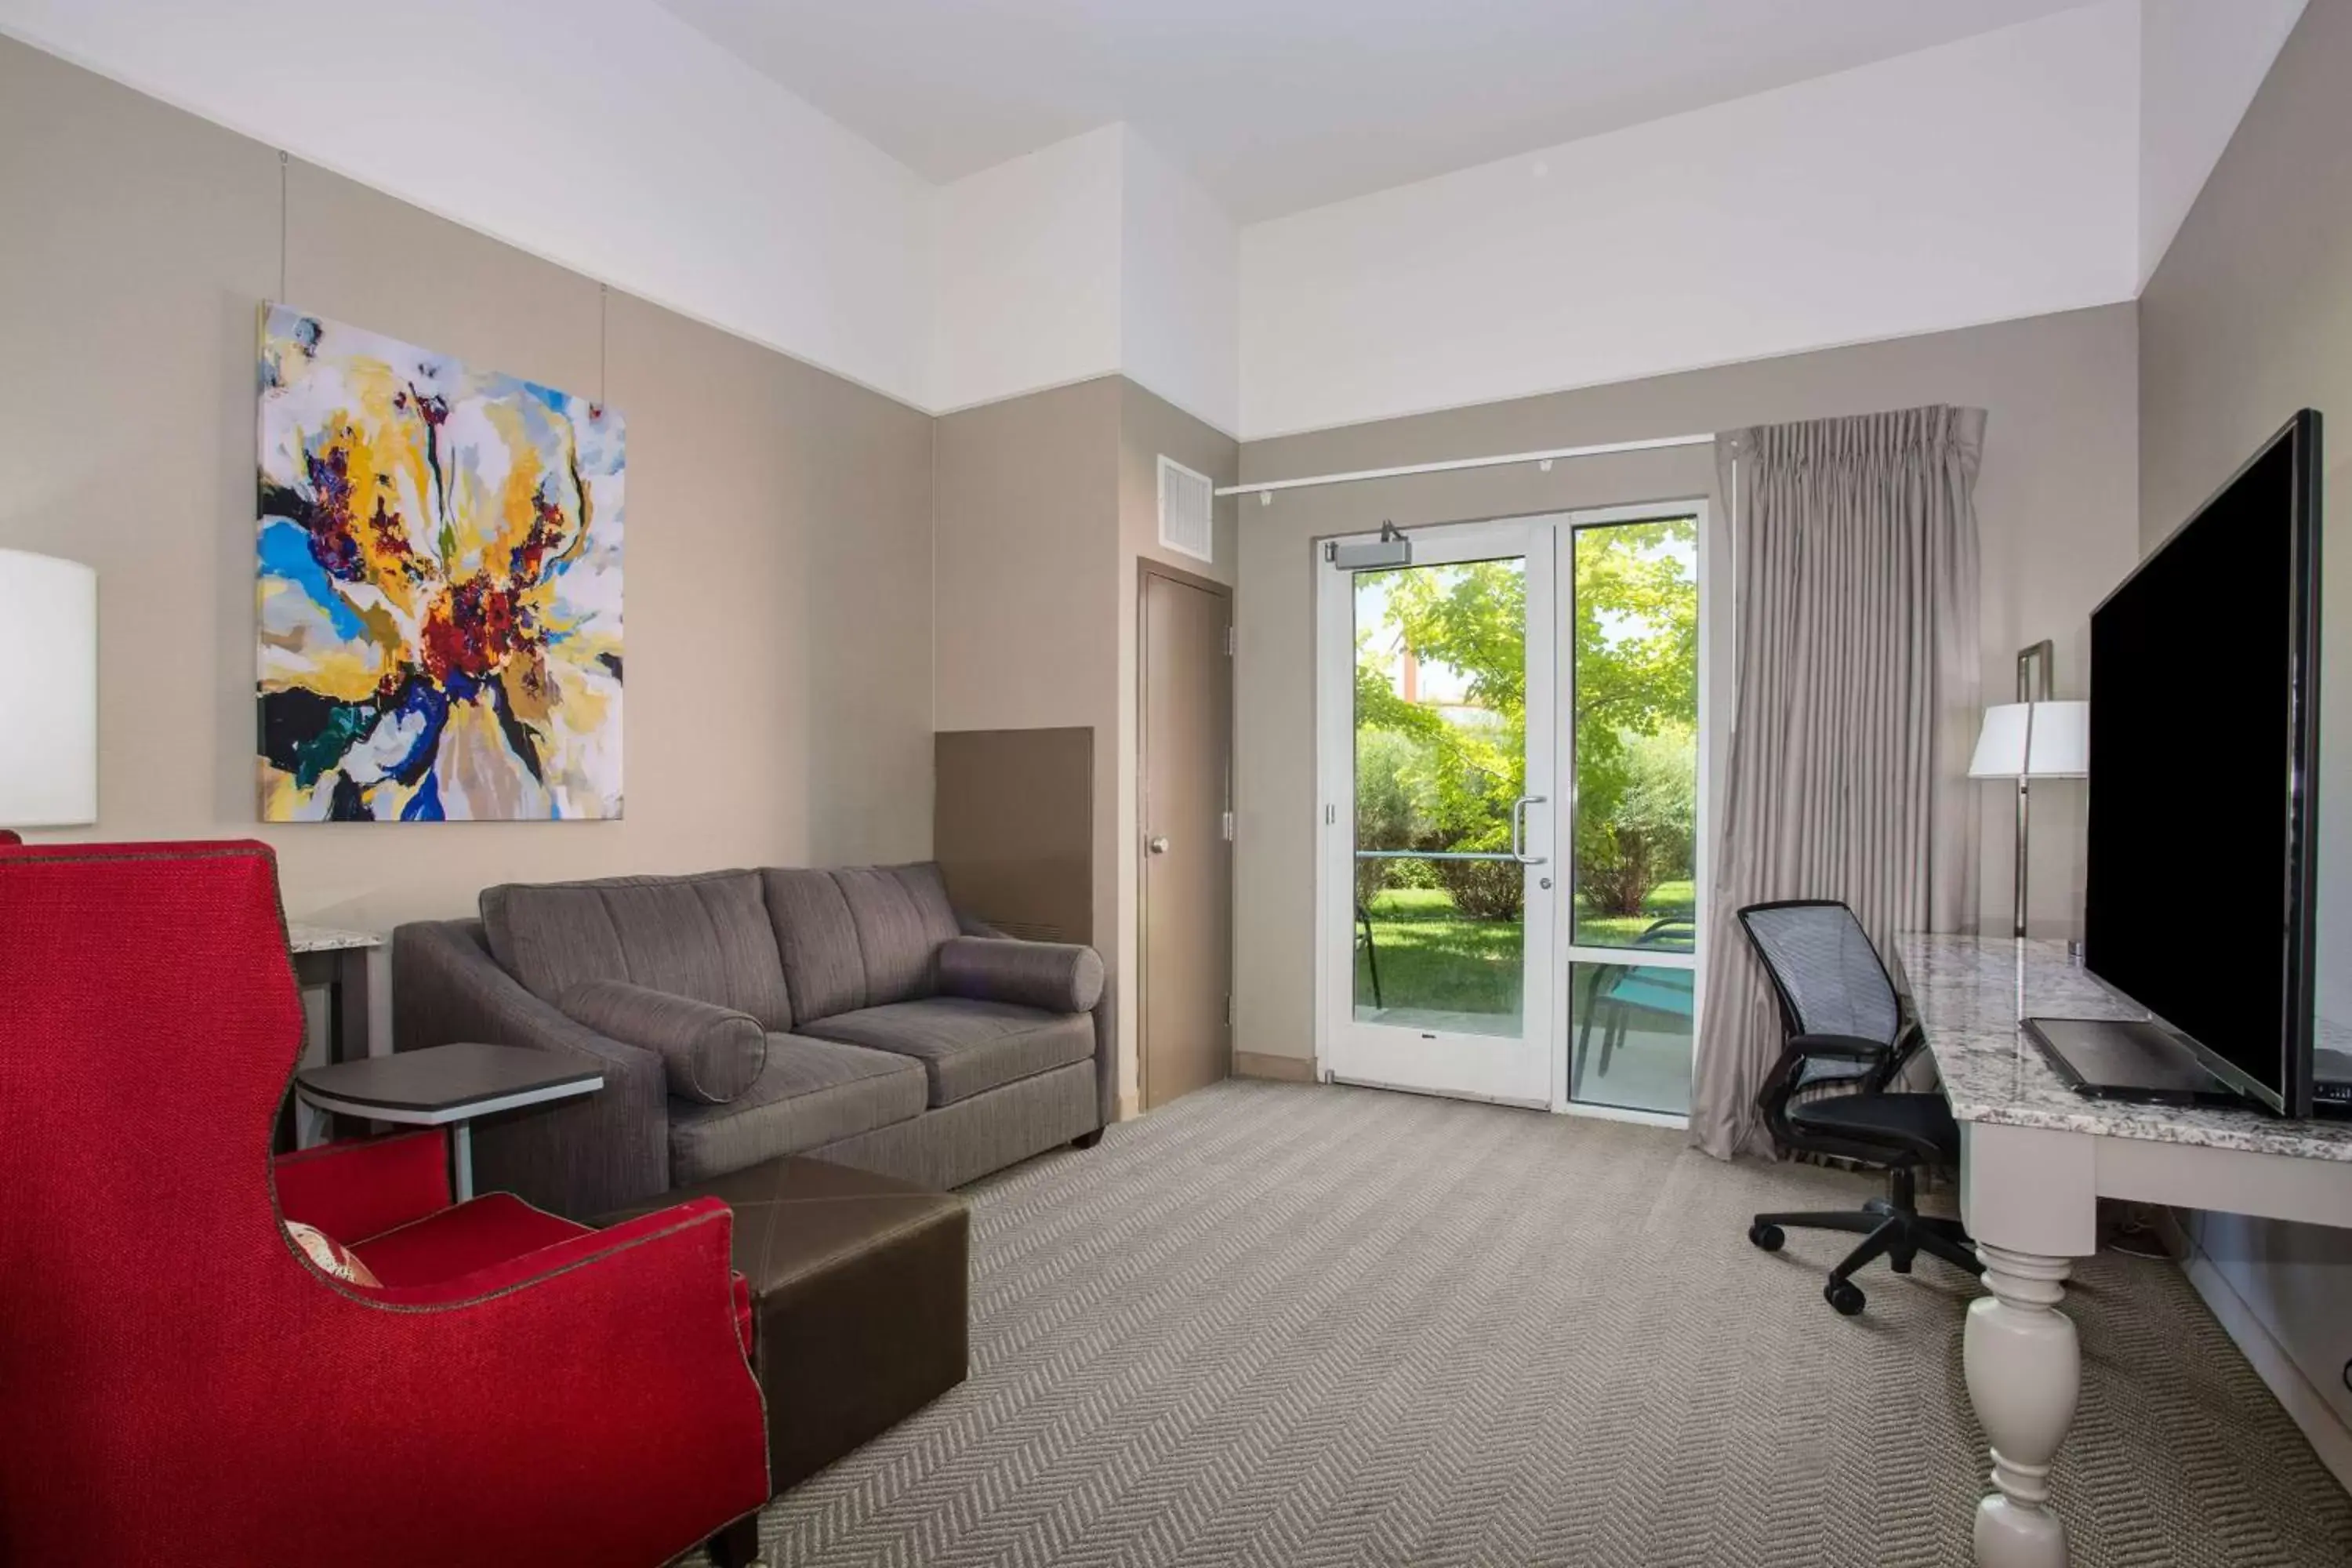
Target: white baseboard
x=2330 y=1438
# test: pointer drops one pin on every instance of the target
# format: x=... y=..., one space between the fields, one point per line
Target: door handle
x=1157 y=844
x=1519 y=830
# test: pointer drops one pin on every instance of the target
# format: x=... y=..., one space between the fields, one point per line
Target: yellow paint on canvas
x=474 y=763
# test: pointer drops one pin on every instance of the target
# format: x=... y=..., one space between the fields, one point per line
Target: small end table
x=446 y=1086
x=336 y=961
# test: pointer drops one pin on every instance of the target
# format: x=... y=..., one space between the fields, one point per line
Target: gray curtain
x=1855 y=583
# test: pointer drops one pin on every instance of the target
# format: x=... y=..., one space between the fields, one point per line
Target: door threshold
x=1462 y=1094
x=1662 y=1119
x=1626 y=1113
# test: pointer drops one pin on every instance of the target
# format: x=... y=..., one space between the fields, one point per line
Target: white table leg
x=2024 y=1372
x=461 y=1158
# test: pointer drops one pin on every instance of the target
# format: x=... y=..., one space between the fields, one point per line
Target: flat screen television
x=2200 y=901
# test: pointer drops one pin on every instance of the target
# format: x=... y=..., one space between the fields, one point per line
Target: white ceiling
x=1280 y=105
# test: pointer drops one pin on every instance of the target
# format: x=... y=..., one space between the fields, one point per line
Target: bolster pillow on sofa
x=1060 y=977
x=709 y=1054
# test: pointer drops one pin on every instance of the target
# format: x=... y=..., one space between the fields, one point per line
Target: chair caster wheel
x=1844 y=1295
x=1768 y=1237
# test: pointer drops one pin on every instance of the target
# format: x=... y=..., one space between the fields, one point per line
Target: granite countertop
x=1970 y=993
x=301 y=938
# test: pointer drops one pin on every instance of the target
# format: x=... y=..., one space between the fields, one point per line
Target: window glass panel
x=1440 y=755
x=1425 y=962
x=1635 y=713
x=1630 y=1027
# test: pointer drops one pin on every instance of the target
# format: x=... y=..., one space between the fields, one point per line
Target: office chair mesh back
x=1826 y=970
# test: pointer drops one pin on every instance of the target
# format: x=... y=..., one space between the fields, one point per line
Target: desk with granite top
x=2035 y=1158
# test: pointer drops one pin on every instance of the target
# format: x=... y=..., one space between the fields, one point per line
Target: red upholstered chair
x=178 y=1383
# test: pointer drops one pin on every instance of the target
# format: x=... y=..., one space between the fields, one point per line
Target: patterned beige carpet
x=1289 y=1327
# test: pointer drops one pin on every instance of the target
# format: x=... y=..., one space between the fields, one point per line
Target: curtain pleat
x=1854 y=580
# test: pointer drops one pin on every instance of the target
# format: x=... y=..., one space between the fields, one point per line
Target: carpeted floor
x=1287 y=1327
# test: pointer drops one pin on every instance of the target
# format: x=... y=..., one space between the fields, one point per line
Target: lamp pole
x=2044 y=655
x=49 y=693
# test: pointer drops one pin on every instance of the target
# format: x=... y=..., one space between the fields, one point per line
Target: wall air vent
x=1188 y=503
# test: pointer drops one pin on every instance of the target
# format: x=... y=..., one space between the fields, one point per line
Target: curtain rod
x=1264 y=491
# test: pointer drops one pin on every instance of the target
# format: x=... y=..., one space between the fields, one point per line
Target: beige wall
x=800 y=612
x=1047 y=503
x=1149 y=425
x=779 y=600
x=2249 y=319
x=1028 y=612
x=2056 y=501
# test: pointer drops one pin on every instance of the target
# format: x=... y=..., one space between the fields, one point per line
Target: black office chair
x=1845 y=1029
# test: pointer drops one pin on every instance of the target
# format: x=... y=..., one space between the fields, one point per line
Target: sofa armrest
x=711 y=1053
x=582 y=1156
x=1060 y=977
x=1105 y=1031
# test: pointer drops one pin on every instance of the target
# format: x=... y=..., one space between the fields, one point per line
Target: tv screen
x=2204 y=746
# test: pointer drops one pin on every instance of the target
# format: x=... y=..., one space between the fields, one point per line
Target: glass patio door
x=1437 y=754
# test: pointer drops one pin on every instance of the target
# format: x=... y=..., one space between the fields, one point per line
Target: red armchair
x=178 y=1383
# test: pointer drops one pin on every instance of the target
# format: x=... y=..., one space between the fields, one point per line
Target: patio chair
x=1618 y=991
x=1371 y=949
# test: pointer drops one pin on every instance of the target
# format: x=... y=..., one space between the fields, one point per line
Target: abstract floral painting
x=440 y=586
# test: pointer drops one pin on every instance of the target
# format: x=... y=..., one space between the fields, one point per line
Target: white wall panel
x=1980 y=181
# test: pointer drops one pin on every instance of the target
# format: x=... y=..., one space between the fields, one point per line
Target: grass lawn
x=1618 y=930
x=1431 y=957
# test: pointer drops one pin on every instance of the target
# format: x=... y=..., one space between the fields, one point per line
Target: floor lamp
x=49 y=693
x=2035 y=737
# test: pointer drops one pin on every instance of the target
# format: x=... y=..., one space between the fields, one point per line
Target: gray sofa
x=847 y=1015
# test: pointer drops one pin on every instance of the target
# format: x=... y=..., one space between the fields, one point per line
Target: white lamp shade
x=2034 y=740
x=48 y=692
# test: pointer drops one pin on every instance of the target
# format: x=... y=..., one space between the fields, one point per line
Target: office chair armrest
x=1787 y=1074
x=1843 y=1048
x=1910 y=1040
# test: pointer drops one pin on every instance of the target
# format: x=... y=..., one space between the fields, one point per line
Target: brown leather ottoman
x=859 y=1292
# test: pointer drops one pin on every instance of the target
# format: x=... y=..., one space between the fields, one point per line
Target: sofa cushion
x=813 y=1092
x=966 y=1045
x=817 y=941
x=709 y=1054
x=902 y=914
x=707 y=936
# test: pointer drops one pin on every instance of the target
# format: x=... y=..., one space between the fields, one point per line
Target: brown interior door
x=1187 y=881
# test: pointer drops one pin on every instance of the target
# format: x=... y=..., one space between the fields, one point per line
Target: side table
x=445 y=1086
x=330 y=959
x=337 y=960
